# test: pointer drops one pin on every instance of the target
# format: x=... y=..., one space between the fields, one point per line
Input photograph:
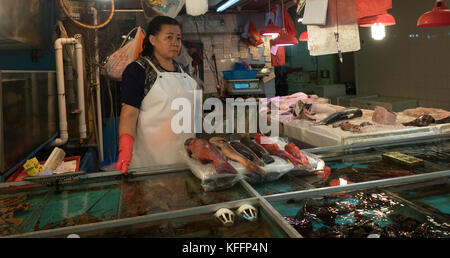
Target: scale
x=244 y=87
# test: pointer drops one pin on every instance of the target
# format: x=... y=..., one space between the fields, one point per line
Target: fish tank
x=169 y=201
x=360 y=215
x=28 y=114
x=33 y=209
x=194 y=226
x=368 y=162
x=372 y=213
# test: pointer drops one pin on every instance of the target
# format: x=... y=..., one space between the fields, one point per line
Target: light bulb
x=378 y=31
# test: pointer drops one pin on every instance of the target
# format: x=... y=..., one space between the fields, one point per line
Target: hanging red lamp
x=304 y=36
x=439 y=16
x=284 y=39
x=271 y=30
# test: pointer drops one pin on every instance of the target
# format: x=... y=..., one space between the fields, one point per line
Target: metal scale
x=244 y=87
x=250 y=86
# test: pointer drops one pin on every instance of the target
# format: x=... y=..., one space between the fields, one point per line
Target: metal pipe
x=34 y=106
x=97 y=88
x=51 y=92
x=80 y=86
x=2 y=142
x=357 y=186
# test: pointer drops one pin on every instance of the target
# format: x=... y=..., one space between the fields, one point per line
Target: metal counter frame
x=263 y=202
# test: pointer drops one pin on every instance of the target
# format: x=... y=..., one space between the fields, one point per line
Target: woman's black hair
x=153 y=28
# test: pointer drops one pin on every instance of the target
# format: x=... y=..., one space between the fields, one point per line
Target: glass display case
x=28 y=114
x=168 y=201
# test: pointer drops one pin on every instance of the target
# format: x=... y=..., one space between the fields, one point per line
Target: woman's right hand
x=126 y=142
x=127 y=129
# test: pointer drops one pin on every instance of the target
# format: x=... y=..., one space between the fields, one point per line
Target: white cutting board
x=315 y=12
x=341 y=18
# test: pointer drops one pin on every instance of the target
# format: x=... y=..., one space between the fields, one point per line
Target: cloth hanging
x=253 y=38
x=289 y=23
x=279 y=58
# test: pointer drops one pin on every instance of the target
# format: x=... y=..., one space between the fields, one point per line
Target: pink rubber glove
x=126 y=143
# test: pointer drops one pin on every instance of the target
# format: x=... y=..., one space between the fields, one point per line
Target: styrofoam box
x=390 y=103
x=346 y=101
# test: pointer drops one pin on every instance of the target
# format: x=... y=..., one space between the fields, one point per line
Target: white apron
x=155 y=142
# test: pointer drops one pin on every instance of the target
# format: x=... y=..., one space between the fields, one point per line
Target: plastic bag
x=169 y=8
x=253 y=39
x=210 y=180
x=118 y=61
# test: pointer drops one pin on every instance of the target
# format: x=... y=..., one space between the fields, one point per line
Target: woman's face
x=167 y=43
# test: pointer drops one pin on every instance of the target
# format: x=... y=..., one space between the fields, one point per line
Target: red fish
x=273 y=149
x=325 y=173
x=295 y=151
x=205 y=152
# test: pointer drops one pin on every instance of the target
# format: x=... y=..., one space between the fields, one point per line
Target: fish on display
x=424 y=120
x=258 y=150
x=301 y=111
x=347 y=126
x=342 y=115
x=232 y=154
x=273 y=149
x=205 y=152
x=295 y=151
x=247 y=152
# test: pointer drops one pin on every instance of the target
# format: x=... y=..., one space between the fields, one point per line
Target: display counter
x=169 y=201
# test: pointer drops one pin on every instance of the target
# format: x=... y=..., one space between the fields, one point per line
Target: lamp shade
x=285 y=40
x=196 y=7
x=439 y=16
x=271 y=30
x=385 y=19
x=304 y=36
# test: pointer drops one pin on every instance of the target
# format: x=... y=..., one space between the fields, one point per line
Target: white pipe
x=80 y=93
x=64 y=135
x=97 y=88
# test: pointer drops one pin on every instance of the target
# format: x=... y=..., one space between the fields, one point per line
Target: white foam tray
x=326 y=135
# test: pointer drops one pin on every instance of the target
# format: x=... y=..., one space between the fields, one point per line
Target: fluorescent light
x=226 y=5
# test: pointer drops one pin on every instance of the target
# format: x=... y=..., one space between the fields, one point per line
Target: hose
x=63 y=7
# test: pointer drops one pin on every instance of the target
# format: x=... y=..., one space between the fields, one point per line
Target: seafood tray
x=212 y=181
x=360 y=215
x=326 y=135
x=443 y=129
x=323 y=135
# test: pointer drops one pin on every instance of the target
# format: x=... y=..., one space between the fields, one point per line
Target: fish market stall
x=312 y=120
x=170 y=201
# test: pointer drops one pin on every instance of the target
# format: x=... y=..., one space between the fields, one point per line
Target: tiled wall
x=409 y=62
